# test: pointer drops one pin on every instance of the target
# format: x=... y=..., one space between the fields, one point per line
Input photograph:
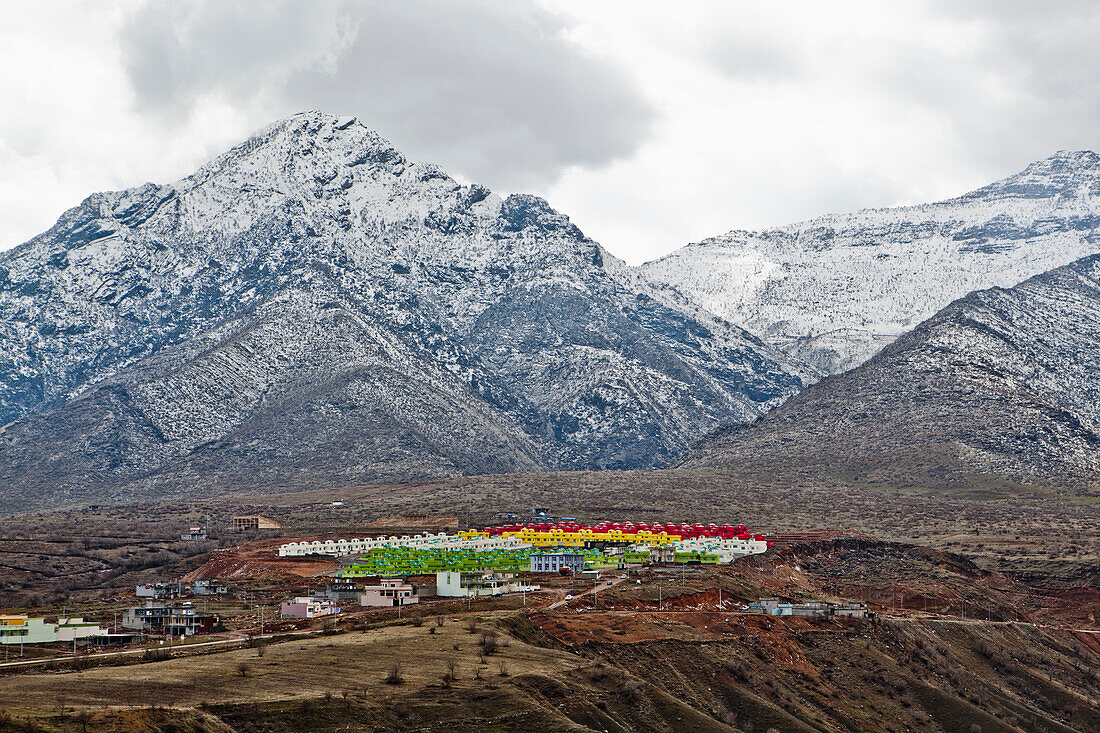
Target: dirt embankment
x=259 y=560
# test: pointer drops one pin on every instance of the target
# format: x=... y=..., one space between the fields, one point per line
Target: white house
x=306 y=607
x=389 y=592
x=450 y=584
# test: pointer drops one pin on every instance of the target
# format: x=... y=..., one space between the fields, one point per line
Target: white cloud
x=650 y=124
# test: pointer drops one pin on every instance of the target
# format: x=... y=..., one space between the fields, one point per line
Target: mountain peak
x=1066 y=174
x=876 y=273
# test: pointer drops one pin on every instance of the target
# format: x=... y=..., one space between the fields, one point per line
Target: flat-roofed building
x=306 y=607
x=19 y=629
x=175 y=619
x=452 y=584
x=389 y=593
x=553 y=562
x=159 y=590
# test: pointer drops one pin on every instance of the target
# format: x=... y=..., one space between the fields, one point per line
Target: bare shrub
x=503 y=668
x=242 y=669
x=393 y=675
x=452 y=665
x=417 y=618
x=489 y=640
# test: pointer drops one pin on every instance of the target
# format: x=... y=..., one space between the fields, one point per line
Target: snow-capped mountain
x=835 y=290
x=312 y=306
x=1002 y=381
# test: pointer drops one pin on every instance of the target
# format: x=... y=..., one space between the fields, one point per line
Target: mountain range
x=1000 y=382
x=834 y=290
x=312 y=306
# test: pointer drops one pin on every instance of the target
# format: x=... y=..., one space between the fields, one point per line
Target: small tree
x=393 y=675
x=417 y=618
x=452 y=665
x=242 y=669
x=84 y=717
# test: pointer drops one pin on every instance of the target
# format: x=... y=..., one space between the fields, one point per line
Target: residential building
x=390 y=592
x=174 y=619
x=340 y=590
x=159 y=590
x=208 y=587
x=461 y=585
x=19 y=629
x=425 y=541
x=306 y=607
x=194 y=534
x=254 y=523
x=75 y=627
x=554 y=562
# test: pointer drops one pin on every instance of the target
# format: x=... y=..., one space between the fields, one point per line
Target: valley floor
x=671 y=652
x=986 y=617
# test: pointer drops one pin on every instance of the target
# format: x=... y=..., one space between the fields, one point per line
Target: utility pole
x=660 y=599
x=261 y=620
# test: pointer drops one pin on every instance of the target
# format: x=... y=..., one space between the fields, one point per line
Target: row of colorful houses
x=426 y=541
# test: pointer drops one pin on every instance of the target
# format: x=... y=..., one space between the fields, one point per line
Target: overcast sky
x=650 y=124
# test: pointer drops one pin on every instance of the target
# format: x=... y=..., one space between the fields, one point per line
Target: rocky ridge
x=1002 y=381
x=834 y=290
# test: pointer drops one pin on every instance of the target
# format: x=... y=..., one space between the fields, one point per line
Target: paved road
x=241 y=641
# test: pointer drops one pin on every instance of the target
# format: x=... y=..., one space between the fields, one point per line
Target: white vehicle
x=569 y=597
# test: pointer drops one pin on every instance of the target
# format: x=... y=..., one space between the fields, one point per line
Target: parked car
x=569 y=597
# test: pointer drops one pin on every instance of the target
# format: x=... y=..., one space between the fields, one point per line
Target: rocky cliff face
x=314 y=306
x=835 y=290
x=1003 y=381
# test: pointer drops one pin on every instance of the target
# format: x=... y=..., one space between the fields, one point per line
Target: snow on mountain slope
x=834 y=290
x=1002 y=381
x=312 y=306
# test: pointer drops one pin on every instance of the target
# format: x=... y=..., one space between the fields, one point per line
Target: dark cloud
x=493 y=91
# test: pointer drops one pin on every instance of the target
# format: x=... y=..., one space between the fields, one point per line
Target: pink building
x=389 y=593
x=305 y=607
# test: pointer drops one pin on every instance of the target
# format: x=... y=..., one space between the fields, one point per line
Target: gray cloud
x=754 y=58
x=1023 y=86
x=493 y=91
